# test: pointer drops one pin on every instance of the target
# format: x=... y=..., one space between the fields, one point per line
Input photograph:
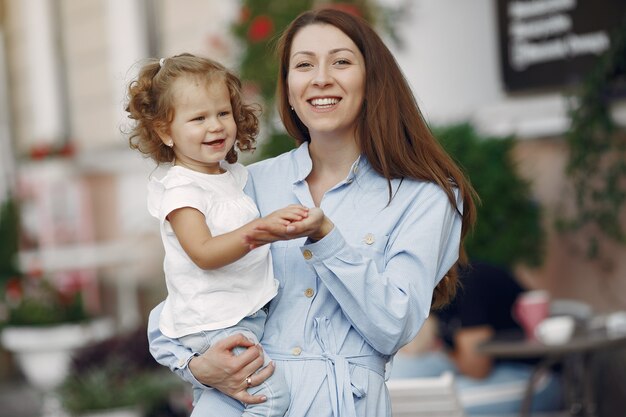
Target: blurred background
x=529 y=96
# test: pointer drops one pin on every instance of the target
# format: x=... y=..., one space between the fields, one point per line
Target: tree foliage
x=508 y=229
x=597 y=150
x=9 y=230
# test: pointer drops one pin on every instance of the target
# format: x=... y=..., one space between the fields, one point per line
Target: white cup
x=616 y=323
x=555 y=330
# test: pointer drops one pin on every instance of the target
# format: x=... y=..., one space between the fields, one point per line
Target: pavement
x=18 y=399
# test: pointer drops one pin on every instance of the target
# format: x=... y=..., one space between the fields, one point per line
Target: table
x=574 y=356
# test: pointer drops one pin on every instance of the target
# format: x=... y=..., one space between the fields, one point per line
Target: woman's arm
x=388 y=301
x=217 y=367
x=211 y=252
x=387 y=304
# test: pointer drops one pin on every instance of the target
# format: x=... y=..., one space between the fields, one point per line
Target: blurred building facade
x=64 y=66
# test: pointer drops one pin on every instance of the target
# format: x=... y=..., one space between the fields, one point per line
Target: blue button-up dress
x=348 y=302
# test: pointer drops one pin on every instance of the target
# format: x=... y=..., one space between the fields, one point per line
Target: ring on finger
x=249 y=381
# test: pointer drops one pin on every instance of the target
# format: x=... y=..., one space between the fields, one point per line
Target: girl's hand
x=315 y=226
x=278 y=221
x=285 y=216
x=219 y=368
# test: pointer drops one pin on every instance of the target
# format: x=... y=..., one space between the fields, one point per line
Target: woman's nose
x=322 y=77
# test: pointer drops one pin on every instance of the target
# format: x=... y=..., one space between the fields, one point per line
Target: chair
x=425 y=397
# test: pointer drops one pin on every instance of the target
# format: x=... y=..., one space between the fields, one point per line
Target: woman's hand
x=219 y=368
x=315 y=226
x=316 y=229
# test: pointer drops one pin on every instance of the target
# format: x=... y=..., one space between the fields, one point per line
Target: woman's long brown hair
x=390 y=129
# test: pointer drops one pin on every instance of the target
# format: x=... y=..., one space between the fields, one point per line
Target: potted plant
x=117 y=377
x=34 y=300
x=41 y=321
x=42 y=326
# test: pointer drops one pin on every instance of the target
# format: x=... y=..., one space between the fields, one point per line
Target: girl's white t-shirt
x=200 y=299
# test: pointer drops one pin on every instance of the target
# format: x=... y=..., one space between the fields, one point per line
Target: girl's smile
x=203 y=129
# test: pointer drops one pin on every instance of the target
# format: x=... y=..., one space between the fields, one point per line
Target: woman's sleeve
x=389 y=306
x=170 y=352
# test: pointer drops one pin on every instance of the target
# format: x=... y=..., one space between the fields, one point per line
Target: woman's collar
x=304 y=164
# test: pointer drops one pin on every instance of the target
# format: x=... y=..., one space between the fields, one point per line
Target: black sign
x=554 y=43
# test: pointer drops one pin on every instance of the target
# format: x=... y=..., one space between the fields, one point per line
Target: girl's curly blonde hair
x=150 y=104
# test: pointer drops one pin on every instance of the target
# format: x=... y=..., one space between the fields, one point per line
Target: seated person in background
x=481 y=309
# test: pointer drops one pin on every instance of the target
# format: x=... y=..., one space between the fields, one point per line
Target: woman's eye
x=302 y=65
x=342 y=62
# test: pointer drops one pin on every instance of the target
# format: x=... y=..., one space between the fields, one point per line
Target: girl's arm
x=212 y=252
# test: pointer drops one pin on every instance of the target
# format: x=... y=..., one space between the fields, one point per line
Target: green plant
x=9 y=226
x=31 y=300
x=597 y=151
x=508 y=229
x=115 y=373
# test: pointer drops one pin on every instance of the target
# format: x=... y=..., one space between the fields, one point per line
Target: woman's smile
x=324 y=103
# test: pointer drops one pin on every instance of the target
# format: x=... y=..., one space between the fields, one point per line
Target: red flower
x=244 y=14
x=67 y=149
x=260 y=28
x=217 y=43
x=35 y=272
x=14 y=290
x=38 y=152
x=70 y=283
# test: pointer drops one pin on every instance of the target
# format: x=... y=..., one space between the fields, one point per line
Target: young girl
x=188 y=112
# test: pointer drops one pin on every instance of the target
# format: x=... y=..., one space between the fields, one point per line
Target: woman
x=358 y=285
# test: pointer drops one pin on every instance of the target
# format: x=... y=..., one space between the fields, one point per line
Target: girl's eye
x=199 y=118
x=224 y=113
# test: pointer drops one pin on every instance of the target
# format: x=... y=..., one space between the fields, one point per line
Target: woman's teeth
x=324 y=102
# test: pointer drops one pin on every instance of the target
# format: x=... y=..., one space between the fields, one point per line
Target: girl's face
x=326 y=80
x=203 y=129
